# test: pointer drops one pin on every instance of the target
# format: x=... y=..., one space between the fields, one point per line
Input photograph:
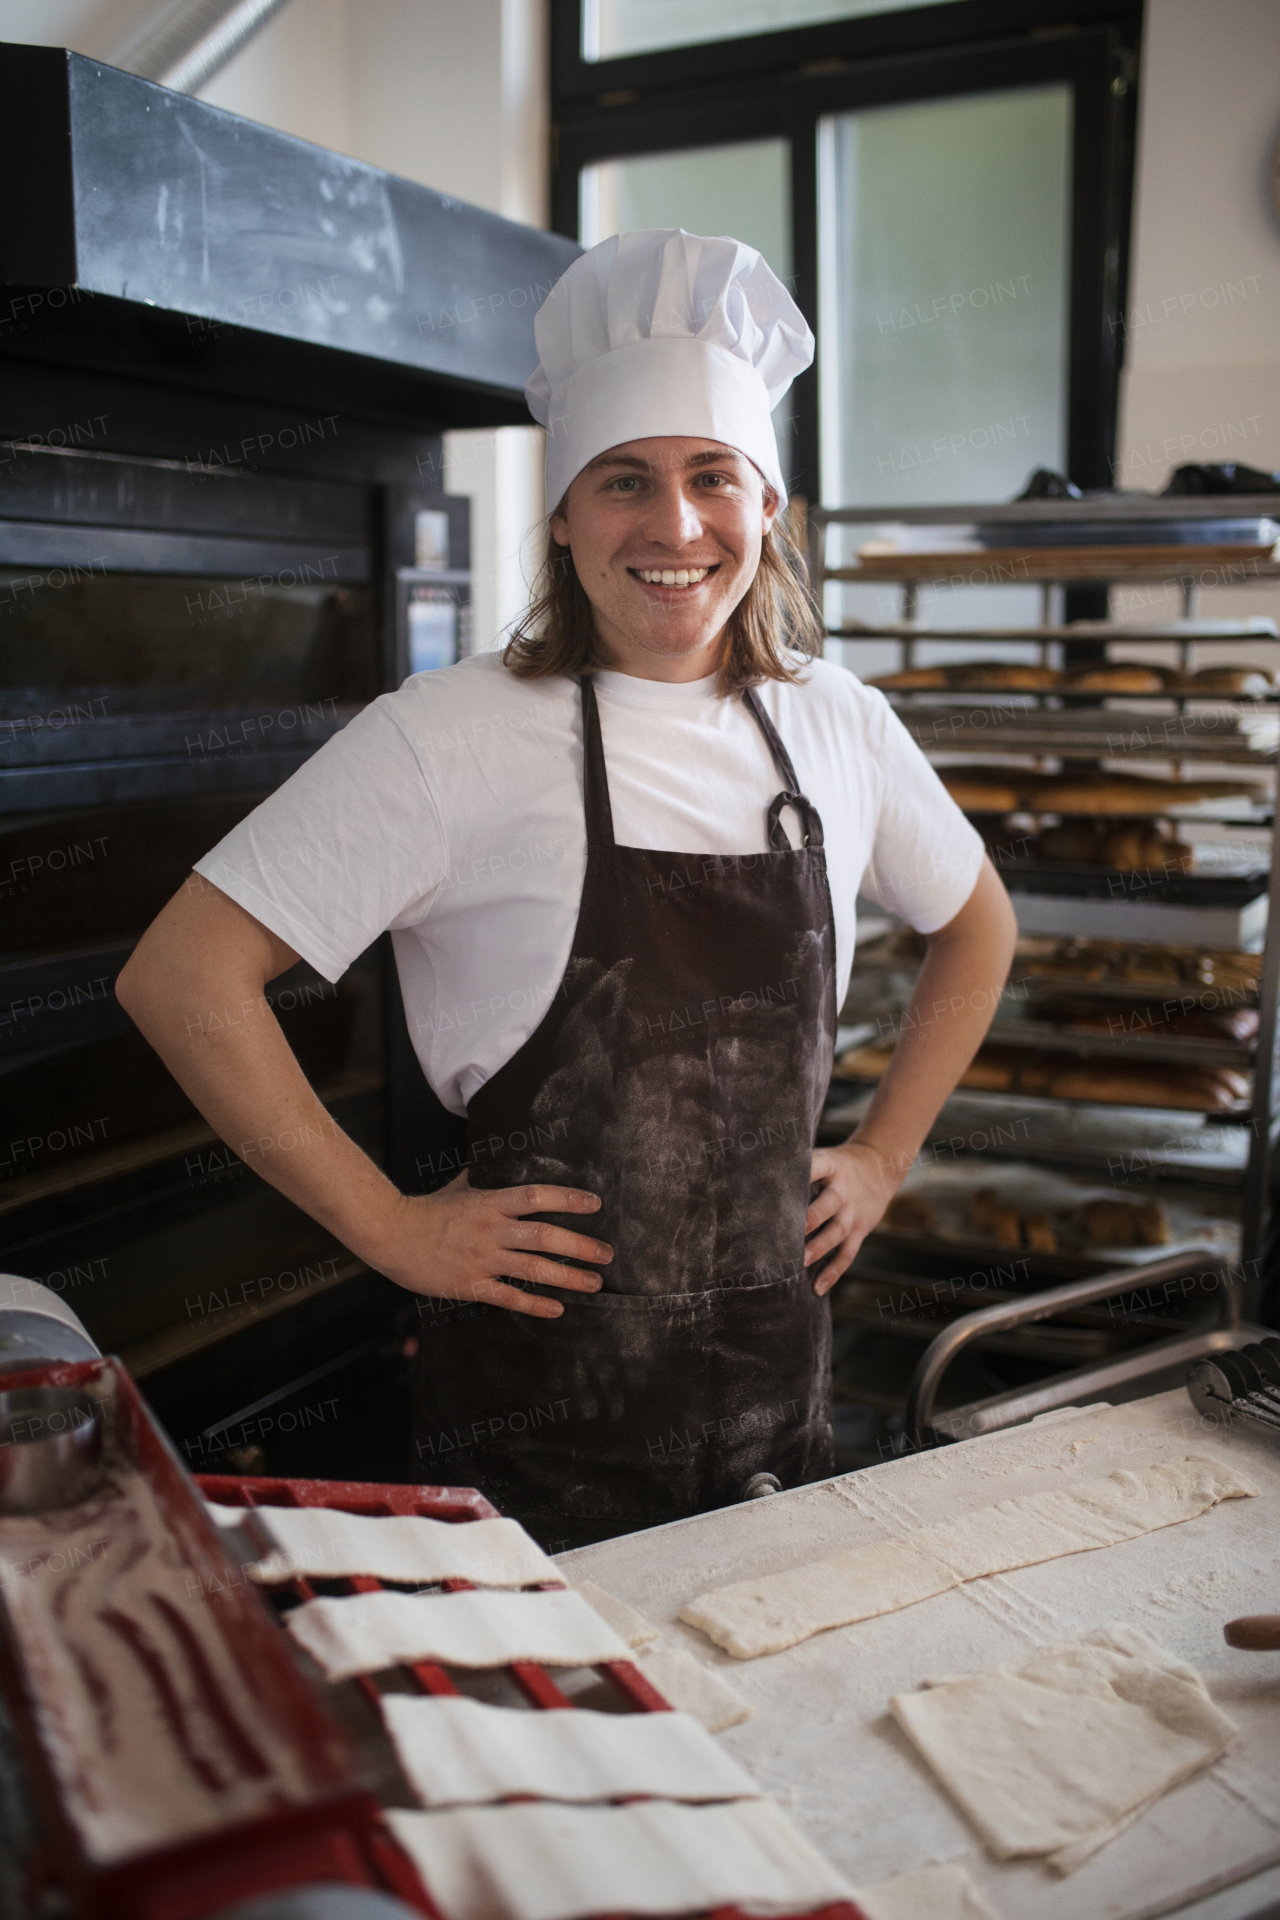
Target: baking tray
x=531 y=1680
x=1083 y=882
x=1195 y=1223
x=266 y=1790
x=1092 y=733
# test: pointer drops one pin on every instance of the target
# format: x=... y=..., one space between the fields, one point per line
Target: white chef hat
x=664 y=332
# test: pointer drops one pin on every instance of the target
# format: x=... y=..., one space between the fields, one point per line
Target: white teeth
x=668 y=578
x=672 y=577
x=682 y=578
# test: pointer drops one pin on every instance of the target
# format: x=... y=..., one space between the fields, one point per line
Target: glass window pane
x=945 y=229
x=944 y=245
x=614 y=27
x=742 y=190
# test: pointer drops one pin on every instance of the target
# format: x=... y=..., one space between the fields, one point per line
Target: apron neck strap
x=781 y=758
x=599 y=809
x=595 y=780
x=791 y=795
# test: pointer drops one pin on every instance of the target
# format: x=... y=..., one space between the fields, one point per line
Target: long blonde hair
x=774 y=629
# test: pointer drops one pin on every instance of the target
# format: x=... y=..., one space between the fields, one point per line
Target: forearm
x=203 y=1007
x=955 y=998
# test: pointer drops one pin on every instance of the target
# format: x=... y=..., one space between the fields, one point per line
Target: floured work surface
x=756 y=1617
x=822 y=1740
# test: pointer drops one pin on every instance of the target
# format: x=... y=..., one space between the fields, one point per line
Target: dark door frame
x=781 y=84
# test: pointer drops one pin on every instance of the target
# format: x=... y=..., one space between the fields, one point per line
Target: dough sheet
x=1057 y=1755
x=322 y=1544
x=455 y=1751
x=692 y=1688
x=930 y=1893
x=625 y=1621
x=538 y=1861
x=755 y=1617
x=364 y=1632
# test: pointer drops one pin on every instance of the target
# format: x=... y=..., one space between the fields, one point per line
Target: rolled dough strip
x=539 y=1861
x=692 y=1688
x=323 y=1544
x=364 y=1632
x=779 y=1610
x=1061 y=1753
x=625 y=1621
x=930 y=1893
x=456 y=1751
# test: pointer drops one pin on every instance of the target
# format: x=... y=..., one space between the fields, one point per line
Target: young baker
x=619 y=865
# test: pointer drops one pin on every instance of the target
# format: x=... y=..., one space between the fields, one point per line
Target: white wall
x=1202 y=374
x=452 y=93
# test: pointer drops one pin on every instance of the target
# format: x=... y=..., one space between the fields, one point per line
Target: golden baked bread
x=991 y=789
x=1134 y=845
x=1247 y=682
x=1001 y=676
x=1122 y=1223
x=990 y=1219
x=1131 y=793
x=1069 y=960
x=910 y=1213
x=1231 y=972
x=1038 y=1233
x=1115 y=676
x=1128 y=965
x=1076 y=841
x=993 y=1069
x=1140 y=1020
x=863 y=1063
x=911 y=680
x=1159 y=1084
x=981 y=789
x=1147 y=963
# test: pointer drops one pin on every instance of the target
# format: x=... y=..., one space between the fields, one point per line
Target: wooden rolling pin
x=1256 y=1633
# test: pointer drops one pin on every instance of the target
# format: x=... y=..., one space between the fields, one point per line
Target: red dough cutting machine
x=180 y=1761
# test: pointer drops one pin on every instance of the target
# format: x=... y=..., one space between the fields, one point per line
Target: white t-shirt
x=452 y=813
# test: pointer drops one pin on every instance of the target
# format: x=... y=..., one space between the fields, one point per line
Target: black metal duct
x=165 y=235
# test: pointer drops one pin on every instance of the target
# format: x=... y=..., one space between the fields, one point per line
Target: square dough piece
x=542 y=1862
x=1059 y=1753
x=365 y=1632
x=324 y=1544
x=930 y=1893
x=456 y=1751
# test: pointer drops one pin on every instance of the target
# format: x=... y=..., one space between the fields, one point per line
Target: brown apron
x=679 y=1073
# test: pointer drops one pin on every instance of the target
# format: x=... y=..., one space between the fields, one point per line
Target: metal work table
x=824 y=1745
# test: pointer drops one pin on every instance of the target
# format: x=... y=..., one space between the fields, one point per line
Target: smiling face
x=665 y=536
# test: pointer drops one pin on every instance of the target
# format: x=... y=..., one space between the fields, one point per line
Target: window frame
x=781 y=84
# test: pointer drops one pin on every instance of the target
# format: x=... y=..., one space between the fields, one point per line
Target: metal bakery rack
x=1016 y=1325
x=176 y=1758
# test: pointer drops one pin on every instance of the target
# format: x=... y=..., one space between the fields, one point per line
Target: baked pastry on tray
x=1117 y=676
x=1133 y=793
x=1057 y=1076
x=971 y=676
x=1129 y=846
x=1000 y=789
